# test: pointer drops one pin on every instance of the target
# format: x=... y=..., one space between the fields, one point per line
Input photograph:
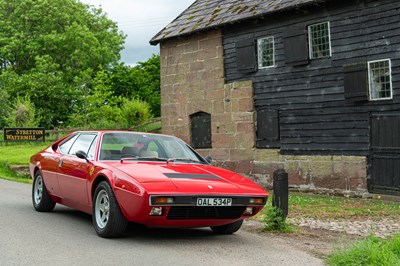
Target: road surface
x=67 y=237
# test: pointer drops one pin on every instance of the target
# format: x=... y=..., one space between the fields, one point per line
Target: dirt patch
x=317 y=242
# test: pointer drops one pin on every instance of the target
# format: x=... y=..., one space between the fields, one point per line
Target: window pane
x=319 y=40
x=82 y=143
x=64 y=148
x=266 y=52
x=380 y=85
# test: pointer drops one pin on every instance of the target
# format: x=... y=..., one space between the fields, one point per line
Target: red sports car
x=152 y=179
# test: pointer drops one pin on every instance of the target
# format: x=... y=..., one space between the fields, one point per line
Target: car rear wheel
x=227 y=229
x=108 y=219
x=40 y=197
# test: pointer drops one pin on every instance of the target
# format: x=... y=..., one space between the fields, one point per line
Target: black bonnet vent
x=192 y=176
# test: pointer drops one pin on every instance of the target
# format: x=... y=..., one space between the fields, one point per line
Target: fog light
x=156 y=211
x=248 y=211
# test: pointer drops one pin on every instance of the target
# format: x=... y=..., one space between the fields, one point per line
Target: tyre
x=108 y=219
x=40 y=197
x=227 y=229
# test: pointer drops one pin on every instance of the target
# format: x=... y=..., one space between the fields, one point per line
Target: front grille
x=192 y=212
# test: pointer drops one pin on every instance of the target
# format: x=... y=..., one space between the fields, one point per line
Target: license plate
x=214 y=201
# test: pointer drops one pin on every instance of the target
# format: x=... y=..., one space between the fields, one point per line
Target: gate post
x=280 y=198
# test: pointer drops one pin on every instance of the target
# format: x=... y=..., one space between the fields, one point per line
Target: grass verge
x=17 y=154
x=330 y=207
x=371 y=251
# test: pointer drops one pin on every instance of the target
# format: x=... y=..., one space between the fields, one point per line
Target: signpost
x=24 y=134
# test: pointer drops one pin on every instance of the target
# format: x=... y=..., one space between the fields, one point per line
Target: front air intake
x=192 y=212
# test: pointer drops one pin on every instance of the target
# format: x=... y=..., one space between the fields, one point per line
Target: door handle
x=60 y=163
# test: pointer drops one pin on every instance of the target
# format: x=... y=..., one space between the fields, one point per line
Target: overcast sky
x=140 y=20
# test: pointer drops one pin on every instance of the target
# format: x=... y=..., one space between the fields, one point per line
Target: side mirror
x=82 y=155
x=208 y=159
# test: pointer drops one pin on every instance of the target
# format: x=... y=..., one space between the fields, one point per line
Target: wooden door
x=385 y=154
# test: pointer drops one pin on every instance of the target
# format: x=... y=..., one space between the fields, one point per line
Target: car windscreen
x=142 y=146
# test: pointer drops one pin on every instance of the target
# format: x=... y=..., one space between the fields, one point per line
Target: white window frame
x=310 y=43
x=371 y=85
x=261 y=52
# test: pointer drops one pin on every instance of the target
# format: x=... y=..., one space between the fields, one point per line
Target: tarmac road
x=67 y=237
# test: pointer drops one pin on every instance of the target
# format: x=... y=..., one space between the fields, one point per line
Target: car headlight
x=162 y=200
x=256 y=200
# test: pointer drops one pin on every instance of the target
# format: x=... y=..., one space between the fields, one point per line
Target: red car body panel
x=71 y=181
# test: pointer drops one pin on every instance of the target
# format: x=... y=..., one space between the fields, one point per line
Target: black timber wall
x=315 y=117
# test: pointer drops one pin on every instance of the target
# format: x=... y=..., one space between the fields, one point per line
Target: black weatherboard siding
x=316 y=114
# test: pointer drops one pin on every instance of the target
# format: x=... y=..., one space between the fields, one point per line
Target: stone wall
x=192 y=80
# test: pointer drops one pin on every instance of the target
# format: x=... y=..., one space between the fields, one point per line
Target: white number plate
x=214 y=201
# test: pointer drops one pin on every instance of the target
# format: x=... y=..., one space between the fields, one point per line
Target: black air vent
x=192 y=176
x=190 y=212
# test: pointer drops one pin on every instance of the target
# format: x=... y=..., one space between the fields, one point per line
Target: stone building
x=310 y=86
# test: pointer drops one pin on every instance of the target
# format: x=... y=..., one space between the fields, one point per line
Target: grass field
x=17 y=154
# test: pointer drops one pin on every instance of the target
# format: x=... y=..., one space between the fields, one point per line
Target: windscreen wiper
x=186 y=160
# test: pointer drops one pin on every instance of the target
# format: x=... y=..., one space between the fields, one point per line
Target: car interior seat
x=128 y=150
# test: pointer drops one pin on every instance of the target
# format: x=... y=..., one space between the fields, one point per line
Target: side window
x=92 y=149
x=66 y=146
x=268 y=135
x=201 y=130
x=319 y=40
x=82 y=143
x=380 y=80
x=266 y=53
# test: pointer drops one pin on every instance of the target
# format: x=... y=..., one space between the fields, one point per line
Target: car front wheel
x=108 y=219
x=227 y=229
x=40 y=197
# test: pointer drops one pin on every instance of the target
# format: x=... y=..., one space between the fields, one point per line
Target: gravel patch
x=383 y=228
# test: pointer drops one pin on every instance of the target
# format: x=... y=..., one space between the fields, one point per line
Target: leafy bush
x=274 y=220
x=23 y=114
x=135 y=112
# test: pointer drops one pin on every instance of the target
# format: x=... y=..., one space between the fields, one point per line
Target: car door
x=73 y=172
x=50 y=166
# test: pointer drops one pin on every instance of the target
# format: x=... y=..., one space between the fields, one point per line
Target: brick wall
x=192 y=80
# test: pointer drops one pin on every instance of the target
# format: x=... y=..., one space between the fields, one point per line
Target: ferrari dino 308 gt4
x=151 y=179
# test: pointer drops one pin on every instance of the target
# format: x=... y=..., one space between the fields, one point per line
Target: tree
x=139 y=82
x=5 y=107
x=46 y=45
x=102 y=109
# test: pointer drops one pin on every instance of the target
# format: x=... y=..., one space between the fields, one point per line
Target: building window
x=380 y=80
x=266 y=54
x=319 y=40
x=201 y=130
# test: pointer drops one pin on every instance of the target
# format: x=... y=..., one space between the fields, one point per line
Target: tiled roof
x=206 y=14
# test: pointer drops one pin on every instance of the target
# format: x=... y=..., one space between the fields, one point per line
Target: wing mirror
x=82 y=155
x=208 y=159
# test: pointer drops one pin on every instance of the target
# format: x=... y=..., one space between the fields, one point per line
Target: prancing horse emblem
x=210 y=187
